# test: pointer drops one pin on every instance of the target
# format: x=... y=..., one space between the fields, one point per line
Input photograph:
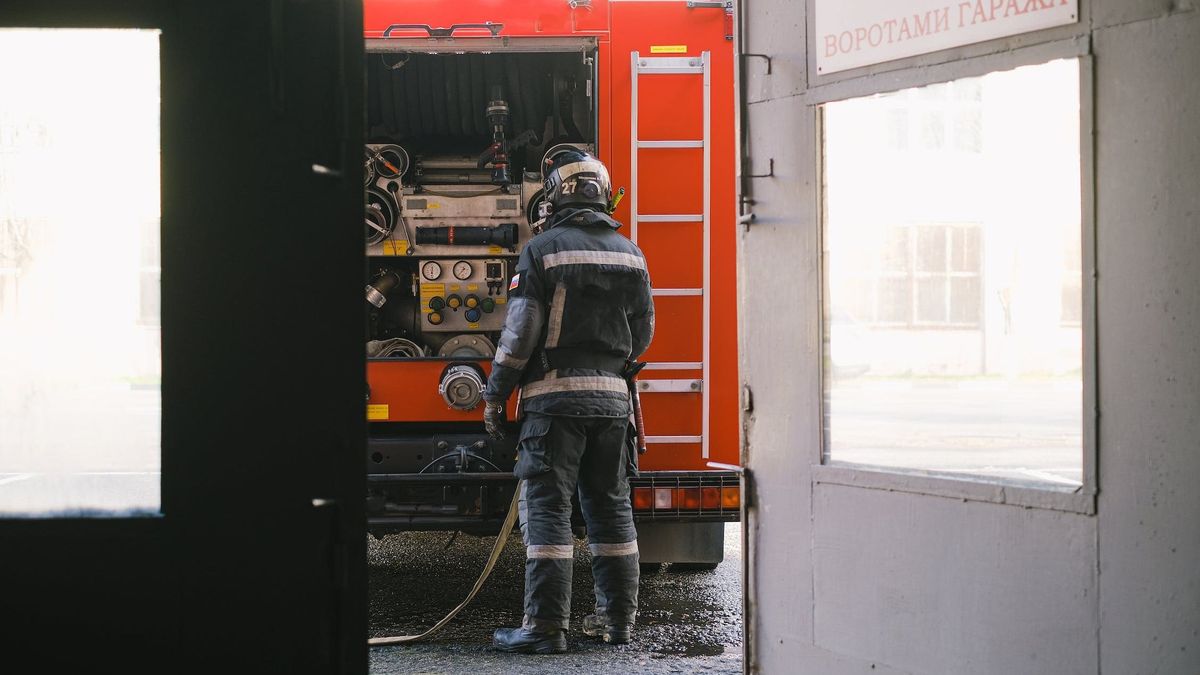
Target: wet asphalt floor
x=689 y=622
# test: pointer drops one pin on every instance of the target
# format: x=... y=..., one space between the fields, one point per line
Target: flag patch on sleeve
x=516 y=281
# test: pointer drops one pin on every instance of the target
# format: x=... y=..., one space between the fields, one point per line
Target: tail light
x=668 y=495
x=687 y=498
x=731 y=497
x=664 y=498
x=643 y=499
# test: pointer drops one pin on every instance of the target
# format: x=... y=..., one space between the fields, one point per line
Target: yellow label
x=472 y=287
x=668 y=49
x=501 y=300
x=377 y=413
x=473 y=326
x=395 y=247
x=454 y=288
x=495 y=249
x=434 y=205
x=432 y=289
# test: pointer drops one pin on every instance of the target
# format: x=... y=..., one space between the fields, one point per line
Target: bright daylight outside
x=953 y=278
x=79 y=272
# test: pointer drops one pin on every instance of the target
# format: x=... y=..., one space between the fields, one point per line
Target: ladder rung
x=677 y=291
x=667 y=65
x=674 y=365
x=670 y=144
x=673 y=439
x=670 y=218
x=670 y=386
x=673 y=71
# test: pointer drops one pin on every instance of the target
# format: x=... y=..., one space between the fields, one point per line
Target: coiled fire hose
x=497 y=548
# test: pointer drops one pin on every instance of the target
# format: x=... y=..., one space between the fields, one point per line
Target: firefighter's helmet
x=574 y=178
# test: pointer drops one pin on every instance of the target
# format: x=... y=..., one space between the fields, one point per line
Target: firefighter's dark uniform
x=579 y=310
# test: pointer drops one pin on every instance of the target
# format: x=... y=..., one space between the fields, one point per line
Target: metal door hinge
x=746 y=216
x=747 y=399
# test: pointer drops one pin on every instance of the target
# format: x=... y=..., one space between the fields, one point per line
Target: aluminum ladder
x=642 y=66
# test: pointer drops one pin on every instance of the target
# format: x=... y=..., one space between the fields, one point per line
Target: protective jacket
x=579 y=308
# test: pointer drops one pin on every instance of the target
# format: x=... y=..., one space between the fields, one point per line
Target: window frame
x=135 y=16
x=980 y=488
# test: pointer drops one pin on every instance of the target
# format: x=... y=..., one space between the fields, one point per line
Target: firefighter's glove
x=632 y=368
x=493 y=419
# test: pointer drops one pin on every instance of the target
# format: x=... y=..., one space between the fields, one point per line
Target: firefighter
x=579 y=313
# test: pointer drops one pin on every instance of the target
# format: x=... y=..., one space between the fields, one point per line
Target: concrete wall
x=854 y=573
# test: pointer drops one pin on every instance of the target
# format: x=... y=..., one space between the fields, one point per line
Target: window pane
x=972 y=363
x=1072 y=282
x=79 y=259
x=931 y=249
x=933 y=92
x=1072 y=302
x=969 y=89
x=895 y=251
x=964 y=300
x=861 y=298
x=895 y=301
x=964 y=250
x=933 y=129
x=897 y=129
x=931 y=300
x=967 y=134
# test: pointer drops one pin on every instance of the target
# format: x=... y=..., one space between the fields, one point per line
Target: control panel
x=463 y=295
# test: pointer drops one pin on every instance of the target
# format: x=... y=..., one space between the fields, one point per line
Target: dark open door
x=254 y=561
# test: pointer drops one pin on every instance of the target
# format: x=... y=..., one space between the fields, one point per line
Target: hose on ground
x=497 y=548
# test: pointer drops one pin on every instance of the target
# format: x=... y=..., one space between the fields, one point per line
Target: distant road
x=1029 y=430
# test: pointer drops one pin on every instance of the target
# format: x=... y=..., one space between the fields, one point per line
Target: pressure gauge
x=462 y=270
x=431 y=270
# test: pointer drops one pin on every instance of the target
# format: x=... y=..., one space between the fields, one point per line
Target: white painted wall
x=853 y=579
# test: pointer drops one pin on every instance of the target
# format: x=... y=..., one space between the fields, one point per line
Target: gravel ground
x=689 y=622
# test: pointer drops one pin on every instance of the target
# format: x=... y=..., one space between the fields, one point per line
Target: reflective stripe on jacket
x=580 y=288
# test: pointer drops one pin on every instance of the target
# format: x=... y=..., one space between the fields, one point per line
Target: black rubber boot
x=597 y=626
x=523 y=641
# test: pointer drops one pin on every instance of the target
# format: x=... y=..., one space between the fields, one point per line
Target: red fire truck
x=464 y=99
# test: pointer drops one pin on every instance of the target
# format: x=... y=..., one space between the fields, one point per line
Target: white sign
x=853 y=33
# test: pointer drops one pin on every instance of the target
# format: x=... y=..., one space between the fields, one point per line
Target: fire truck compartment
x=436 y=104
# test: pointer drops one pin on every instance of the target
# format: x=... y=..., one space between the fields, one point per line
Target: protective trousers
x=559 y=456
